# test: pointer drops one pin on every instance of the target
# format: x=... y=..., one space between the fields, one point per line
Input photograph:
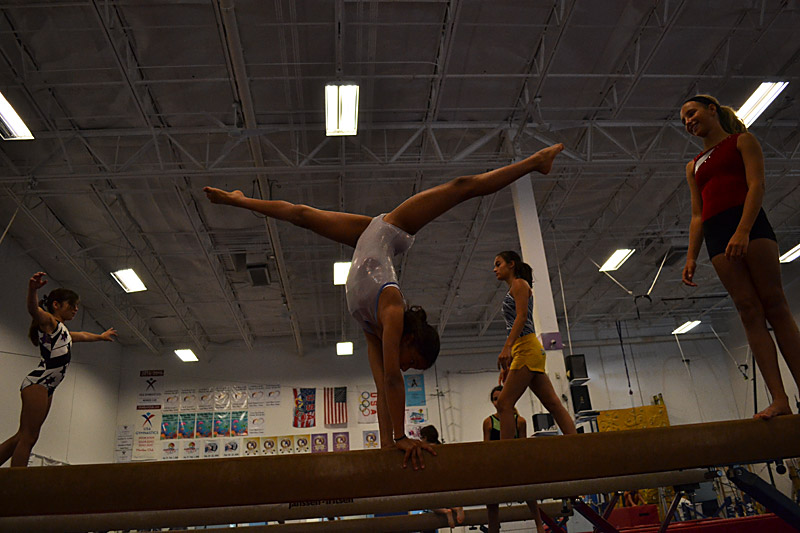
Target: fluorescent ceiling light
x=344 y=348
x=187 y=356
x=760 y=100
x=791 y=255
x=128 y=280
x=616 y=259
x=686 y=326
x=341 y=109
x=340 y=271
x=12 y=128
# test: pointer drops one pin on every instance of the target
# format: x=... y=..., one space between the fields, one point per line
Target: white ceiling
x=136 y=105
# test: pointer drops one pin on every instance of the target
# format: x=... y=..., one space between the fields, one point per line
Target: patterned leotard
x=56 y=351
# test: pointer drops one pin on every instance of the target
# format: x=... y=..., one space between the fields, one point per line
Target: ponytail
x=425 y=338
x=46 y=303
x=522 y=270
x=728 y=119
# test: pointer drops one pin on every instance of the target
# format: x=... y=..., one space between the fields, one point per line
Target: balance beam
x=403 y=523
x=131 y=487
x=342 y=508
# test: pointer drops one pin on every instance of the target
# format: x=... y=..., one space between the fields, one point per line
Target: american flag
x=335 y=405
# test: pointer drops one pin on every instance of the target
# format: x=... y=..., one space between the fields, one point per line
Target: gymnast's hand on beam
x=413 y=449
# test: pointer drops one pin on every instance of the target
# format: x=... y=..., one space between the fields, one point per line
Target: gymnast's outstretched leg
x=413 y=214
x=344 y=228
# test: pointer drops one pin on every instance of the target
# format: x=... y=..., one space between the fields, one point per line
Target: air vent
x=259 y=276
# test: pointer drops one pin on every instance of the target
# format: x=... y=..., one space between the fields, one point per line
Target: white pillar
x=544 y=309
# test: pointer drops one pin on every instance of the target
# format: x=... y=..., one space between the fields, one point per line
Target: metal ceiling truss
x=233 y=50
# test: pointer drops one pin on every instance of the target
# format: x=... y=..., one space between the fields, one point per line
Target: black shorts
x=719 y=229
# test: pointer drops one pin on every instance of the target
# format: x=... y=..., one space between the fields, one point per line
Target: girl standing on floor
x=398 y=337
x=49 y=333
x=522 y=359
x=727 y=185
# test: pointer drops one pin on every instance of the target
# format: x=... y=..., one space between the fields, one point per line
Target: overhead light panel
x=341 y=110
x=760 y=100
x=344 y=348
x=340 y=271
x=616 y=259
x=12 y=128
x=791 y=255
x=686 y=326
x=128 y=280
x=186 y=355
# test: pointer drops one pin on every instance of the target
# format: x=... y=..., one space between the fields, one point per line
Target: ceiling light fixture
x=760 y=100
x=341 y=110
x=686 y=326
x=616 y=259
x=791 y=255
x=12 y=128
x=340 y=271
x=128 y=280
x=186 y=355
x=344 y=348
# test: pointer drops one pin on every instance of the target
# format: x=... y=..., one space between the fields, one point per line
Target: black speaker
x=580 y=398
x=543 y=421
x=576 y=369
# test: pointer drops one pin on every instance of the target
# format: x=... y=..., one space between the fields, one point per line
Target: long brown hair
x=46 y=303
x=728 y=119
x=425 y=337
x=521 y=269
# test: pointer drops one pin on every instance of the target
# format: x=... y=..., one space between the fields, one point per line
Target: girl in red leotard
x=727 y=185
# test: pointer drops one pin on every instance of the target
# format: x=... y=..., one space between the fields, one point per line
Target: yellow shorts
x=528 y=352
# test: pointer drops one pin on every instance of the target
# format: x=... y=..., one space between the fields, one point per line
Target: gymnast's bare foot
x=776 y=408
x=218 y=196
x=546 y=157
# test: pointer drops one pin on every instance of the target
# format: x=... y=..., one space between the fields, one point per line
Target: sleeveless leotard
x=372 y=269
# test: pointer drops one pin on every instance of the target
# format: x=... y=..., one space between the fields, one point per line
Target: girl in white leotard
x=49 y=333
x=398 y=337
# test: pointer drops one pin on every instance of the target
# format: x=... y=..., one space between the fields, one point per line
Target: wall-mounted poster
x=251 y=446
x=222 y=398
x=222 y=424
x=169 y=426
x=269 y=445
x=302 y=443
x=256 y=396
x=205 y=399
x=367 y=406
x=186 y=425
x=189 y=400
x=258 y=423
x=371 y=439
x=273 y=393
x=231 y=447
x=319 y=443
x=239 y=397
x=189 y=449
x=286 y=444
x=211 y=448
x=415 y=389
x=341 y=441
x=172 y=401
x=238 y=423
x=204 y=427
x=169 y=450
